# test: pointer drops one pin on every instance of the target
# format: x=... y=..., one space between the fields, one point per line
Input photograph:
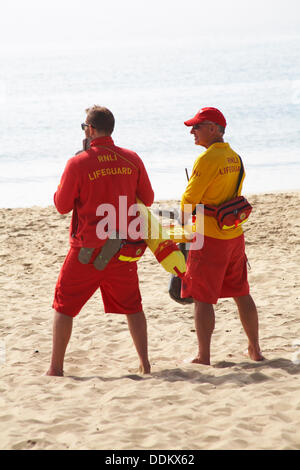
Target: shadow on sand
x=243 y=373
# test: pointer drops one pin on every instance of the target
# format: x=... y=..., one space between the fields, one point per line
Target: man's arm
x=67 y=190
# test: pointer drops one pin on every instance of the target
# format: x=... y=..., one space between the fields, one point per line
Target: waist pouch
x=231 y=214
x=131 y=251
x=114 y=247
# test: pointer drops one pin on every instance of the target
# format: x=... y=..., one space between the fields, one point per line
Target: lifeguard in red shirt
x=99 y=185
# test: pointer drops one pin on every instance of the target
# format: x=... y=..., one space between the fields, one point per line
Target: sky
x=35 y=23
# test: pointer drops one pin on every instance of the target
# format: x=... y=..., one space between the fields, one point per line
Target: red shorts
x=218 y=270
x=77 y=282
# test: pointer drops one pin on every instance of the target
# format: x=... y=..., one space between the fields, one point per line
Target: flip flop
x=85 y=255
x=109 y=249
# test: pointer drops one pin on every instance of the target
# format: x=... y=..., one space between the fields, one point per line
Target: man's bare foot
x=198 y=360
x=145 y=369
x=55 y=373
x=255 y=354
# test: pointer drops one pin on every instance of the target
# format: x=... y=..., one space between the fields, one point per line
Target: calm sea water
x=151 y=90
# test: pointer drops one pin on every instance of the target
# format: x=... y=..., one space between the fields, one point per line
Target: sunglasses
x=84 y=125
x=198 y=126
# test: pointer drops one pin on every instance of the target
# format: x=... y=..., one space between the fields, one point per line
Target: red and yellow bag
x=233 y=213
x=131 y=251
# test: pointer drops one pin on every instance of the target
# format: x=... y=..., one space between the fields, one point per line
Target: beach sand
x=103 y=402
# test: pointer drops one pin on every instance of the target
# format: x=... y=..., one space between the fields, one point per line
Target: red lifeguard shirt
x=98 y=177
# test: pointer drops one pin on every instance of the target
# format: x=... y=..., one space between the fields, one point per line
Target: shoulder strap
x=210 y=210
x=119 y=155
x=240 y=176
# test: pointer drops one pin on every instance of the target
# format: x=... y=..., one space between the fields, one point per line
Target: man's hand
x=186 y=214
x=86 y=144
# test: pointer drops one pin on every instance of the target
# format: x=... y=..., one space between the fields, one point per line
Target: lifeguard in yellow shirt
x=219 y=268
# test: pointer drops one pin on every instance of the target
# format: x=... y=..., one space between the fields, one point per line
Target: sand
x=103 y=402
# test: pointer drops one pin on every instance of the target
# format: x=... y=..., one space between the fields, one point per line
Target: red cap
x=207 y=114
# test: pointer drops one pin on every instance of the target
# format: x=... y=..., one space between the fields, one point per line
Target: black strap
x=240 y=175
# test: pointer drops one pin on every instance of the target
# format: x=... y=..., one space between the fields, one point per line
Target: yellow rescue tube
x=181 y=234
x=162 y=246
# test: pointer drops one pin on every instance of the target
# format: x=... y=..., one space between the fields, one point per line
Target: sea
x=151 y=88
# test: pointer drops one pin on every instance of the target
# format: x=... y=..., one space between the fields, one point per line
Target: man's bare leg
x=204 y=324
x=137 y=325
x=62 y=329
x=249 y=319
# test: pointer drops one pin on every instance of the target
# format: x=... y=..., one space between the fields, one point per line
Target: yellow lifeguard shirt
x=214 y=181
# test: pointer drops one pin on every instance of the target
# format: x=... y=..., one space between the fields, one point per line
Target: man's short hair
x=101 y=118
x=221 y=129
